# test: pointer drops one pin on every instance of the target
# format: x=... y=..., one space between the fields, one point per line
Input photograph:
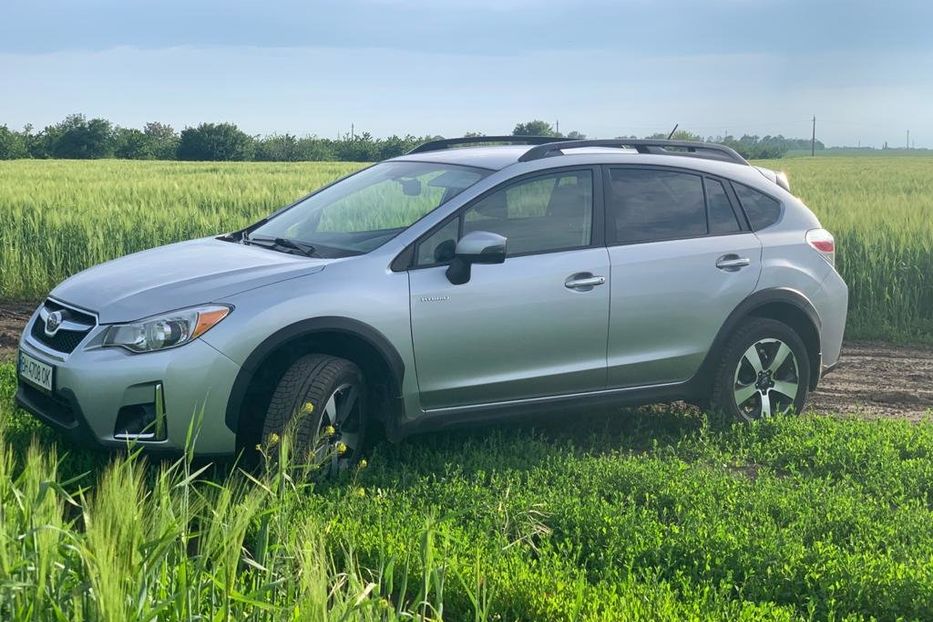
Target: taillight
x=823 y=242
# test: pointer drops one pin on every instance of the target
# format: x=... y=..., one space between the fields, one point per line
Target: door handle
x=584 y=281
x=732 y=262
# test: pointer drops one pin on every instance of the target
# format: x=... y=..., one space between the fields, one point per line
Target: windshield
x=366 y=210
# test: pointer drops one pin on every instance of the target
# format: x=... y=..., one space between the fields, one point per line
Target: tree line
x=77 y=137
x=750 y=146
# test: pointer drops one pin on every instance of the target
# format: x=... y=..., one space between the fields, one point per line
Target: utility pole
x=908 y=139
x=352 y=131
x=557 y=127
x=813 y=139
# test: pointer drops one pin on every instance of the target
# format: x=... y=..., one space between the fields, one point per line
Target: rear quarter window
x=762 y=210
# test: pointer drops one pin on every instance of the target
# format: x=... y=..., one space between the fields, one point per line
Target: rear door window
x=649 y=205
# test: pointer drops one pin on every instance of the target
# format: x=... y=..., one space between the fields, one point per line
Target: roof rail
x=447 y=143
x=687 y=148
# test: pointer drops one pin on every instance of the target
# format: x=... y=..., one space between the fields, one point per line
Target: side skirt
x=462 y=416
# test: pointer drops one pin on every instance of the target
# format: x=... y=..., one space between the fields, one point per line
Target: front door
x=533 y=326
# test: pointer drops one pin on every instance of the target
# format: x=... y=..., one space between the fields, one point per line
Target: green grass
x=642 y=515
x=60 y=217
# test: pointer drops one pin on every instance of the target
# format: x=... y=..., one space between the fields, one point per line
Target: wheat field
x=60 y=217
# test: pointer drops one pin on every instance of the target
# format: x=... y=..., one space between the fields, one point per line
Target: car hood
x=178 y=275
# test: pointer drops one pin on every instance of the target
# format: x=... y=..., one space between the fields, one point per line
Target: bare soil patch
x=878 y=380
x=13 y=317
x=873 y=379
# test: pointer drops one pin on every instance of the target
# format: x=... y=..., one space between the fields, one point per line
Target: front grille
x=62 y=341
x=65 y=340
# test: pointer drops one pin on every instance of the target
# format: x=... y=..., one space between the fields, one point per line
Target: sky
x=602 y=67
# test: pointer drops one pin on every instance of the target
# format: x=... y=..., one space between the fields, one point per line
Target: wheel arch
x=337 y=336
x=785 y=305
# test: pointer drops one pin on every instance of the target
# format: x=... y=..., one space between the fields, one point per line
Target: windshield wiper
x=283 y=244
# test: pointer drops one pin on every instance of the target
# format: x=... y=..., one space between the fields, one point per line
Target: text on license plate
x=35 y=371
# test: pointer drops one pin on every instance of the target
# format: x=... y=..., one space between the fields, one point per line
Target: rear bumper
x=828 y=369
x=831 y=300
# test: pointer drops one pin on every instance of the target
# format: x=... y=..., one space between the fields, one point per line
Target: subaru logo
x=53 y=322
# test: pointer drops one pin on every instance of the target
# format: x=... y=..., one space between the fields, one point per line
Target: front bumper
x=59 y=410
x=92 y=385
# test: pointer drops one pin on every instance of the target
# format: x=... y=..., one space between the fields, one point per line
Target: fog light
x=142 y=422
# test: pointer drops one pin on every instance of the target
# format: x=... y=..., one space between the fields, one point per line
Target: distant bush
x=130 y=144
x=215 y=141
x=12 y=145
x=534 y=128
x=78 y=138
x=162 y=141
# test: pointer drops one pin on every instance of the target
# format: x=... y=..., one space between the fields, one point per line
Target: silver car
x=454 y=284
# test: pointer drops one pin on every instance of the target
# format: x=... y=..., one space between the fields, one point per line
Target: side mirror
x=475 y=247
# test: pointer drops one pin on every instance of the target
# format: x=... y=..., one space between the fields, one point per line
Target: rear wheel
x=319 y=406
x=763 y=372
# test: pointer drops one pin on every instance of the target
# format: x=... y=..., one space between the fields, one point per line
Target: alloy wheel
x=340 y=432
x=767 y=380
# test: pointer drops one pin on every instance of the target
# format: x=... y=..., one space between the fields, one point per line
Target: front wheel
x=319 y=406
x=763 y=372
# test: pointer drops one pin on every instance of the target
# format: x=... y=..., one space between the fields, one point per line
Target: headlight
x=165 y=331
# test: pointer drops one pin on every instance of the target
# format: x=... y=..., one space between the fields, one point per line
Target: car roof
x=499 y=157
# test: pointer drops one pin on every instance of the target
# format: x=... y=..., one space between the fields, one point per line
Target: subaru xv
x=456 y=283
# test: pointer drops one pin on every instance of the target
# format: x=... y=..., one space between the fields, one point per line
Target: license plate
x=35 y=371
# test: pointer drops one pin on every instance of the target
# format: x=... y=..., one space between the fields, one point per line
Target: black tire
x=768 y=386
x=300 y=402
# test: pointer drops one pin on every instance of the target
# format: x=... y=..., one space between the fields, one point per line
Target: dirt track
x=878 y=380
x=873 y=380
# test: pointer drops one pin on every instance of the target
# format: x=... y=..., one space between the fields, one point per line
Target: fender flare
x=304 y=328
x=746 y=308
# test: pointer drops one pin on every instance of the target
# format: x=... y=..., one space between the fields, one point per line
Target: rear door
x=533 y=326
x=682 y=259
